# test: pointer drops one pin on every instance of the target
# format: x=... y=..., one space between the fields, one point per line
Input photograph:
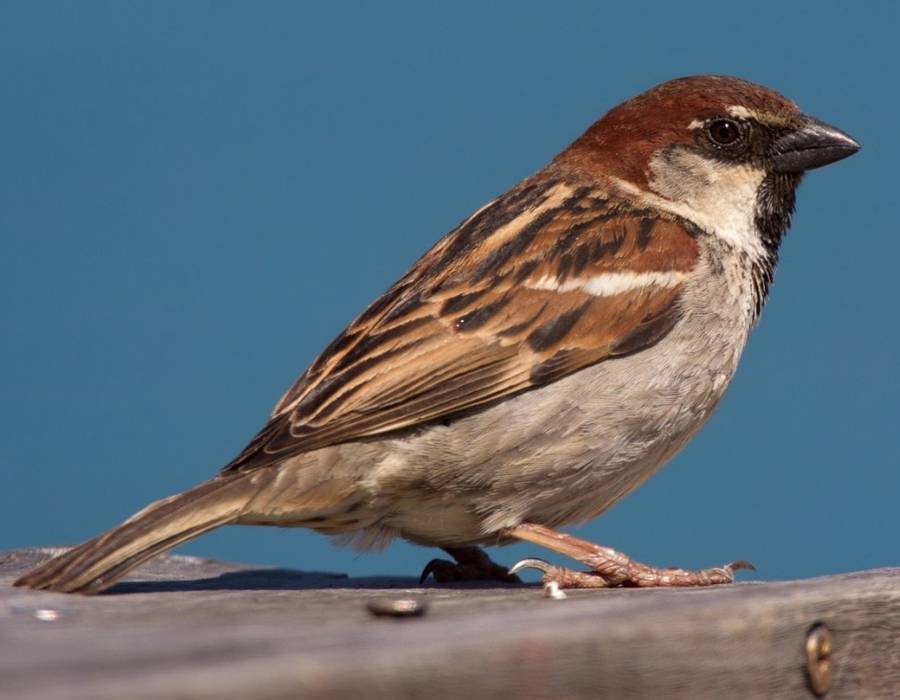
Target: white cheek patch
x=609 y=284
x=719 y=197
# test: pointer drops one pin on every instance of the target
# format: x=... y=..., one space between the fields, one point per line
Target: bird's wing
x=538 y=284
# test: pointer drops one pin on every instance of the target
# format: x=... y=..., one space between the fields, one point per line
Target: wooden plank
x=191 y=628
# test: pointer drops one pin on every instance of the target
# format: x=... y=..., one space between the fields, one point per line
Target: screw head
x=819 y=648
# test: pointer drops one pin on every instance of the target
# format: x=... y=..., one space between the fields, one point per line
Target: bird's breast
x=567 y=451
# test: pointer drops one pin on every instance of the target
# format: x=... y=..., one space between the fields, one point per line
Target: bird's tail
x=100 y=562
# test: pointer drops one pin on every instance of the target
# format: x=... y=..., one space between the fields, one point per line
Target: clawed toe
x=609 y=568
x=471 y=564
x=532 y=563
x=562 y=577
x=739 y=565
x=635 y=575
x=442 y=570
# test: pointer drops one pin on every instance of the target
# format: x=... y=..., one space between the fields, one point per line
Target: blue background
x=195 y=197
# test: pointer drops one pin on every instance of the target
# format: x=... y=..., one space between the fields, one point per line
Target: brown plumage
x=538 y=363
x=475 y=328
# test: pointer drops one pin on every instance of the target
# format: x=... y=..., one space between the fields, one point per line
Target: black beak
x=812 y=145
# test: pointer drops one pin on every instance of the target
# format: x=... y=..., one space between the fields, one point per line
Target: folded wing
x=540 y=283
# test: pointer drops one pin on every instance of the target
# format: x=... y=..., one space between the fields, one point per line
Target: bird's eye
x=724 y=132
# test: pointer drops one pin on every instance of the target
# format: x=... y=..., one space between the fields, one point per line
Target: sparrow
x=540 y=362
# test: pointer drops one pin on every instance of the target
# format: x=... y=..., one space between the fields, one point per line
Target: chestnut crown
x=719 y=117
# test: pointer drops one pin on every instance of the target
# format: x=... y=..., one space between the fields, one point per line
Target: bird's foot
x=472 y=564
x=610 y=568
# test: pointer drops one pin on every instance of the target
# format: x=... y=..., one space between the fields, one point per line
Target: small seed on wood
x=553 y=591
x=397 y=607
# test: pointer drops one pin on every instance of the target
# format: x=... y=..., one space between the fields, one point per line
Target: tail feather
x=100 y=562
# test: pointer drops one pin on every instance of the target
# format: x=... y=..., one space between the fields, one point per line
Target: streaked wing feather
x=526 y=291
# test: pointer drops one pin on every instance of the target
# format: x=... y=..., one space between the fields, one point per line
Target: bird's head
x=724 y=153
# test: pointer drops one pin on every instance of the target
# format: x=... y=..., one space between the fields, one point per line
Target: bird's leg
x=472 y=564
x=608 y=567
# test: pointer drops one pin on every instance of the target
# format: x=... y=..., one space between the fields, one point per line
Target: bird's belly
x=567 y=451
x=556 y=455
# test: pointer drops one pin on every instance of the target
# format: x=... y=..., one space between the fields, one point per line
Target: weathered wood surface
x=189 y=628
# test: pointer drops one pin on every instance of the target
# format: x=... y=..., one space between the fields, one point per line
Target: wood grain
x=192 y=628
